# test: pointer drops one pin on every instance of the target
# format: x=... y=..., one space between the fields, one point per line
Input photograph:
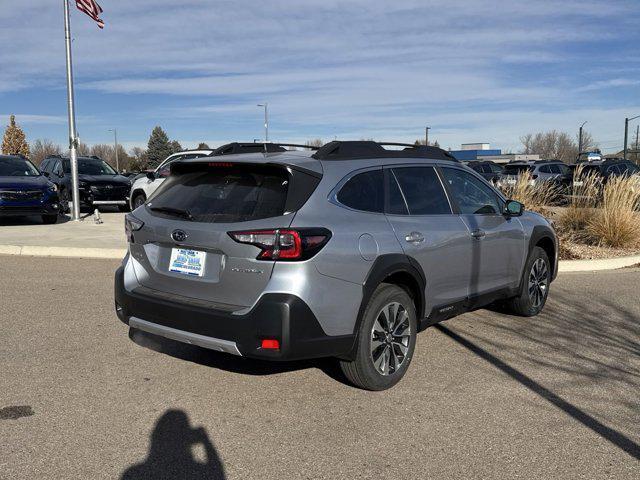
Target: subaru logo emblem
x=179 y=235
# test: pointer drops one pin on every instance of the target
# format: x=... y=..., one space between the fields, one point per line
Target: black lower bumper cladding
x=278 y=316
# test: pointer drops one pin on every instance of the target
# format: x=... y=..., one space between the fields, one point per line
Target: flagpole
x=73 y=140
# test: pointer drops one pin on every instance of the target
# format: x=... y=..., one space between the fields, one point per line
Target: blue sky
x=487 y=71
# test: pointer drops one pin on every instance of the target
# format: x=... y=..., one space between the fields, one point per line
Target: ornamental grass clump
x=583 y=201
x=534 y=195
x=617 y=222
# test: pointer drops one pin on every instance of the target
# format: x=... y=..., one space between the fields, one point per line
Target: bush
x=615 y=223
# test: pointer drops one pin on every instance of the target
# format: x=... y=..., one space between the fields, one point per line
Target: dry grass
x=616 y=223
x=534 y=195
x=583 y=202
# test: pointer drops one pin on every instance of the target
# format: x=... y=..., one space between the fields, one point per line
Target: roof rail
x=235 y=148
x=348 y=150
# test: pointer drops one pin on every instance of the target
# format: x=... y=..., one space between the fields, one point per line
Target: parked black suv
x=606 y=169
x=489 y=170
x=99 y=184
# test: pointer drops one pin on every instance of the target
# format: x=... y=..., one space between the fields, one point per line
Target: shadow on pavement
x=590 y=348
x=231 y=363
x=172 y=453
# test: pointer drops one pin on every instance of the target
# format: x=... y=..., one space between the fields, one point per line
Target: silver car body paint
x=456 y=265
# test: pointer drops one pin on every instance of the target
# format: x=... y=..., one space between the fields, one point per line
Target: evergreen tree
x=158 y=147
x=203 y=146
x=175 y=146
x=14 y=141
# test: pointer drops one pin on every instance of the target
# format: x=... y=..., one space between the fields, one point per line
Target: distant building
x=509 y=157
x=471 y=151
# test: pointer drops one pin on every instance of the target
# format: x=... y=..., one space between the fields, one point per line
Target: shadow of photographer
x=173 y=452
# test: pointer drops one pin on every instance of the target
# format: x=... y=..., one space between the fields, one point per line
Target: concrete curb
x=565 y=266
x=600 y=264
x=67 y=252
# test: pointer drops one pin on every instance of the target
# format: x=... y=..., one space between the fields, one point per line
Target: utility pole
x=626 y=133
x=266 y=120
x=637 y=146
x=426 y=136
x=115 y=143
x=73 y=140
x=580 y=139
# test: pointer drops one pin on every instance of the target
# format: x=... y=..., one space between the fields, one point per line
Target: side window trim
x=395 y=179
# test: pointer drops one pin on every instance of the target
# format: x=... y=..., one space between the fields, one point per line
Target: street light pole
x=73 y=140
x=626 y=133
x=115 y=142
x=580 y=139
x=637 y=146
x=266 y=120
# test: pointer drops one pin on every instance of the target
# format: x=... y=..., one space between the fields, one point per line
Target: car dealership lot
x=487 y=395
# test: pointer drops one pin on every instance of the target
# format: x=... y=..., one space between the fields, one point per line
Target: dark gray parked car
x=346 y=252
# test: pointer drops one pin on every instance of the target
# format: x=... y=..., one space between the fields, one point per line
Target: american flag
x=91 y=8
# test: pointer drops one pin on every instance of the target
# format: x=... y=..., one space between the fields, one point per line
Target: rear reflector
x=285 y=243
x=270 y=344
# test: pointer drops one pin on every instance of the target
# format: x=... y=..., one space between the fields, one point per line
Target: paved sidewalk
x=66 y=238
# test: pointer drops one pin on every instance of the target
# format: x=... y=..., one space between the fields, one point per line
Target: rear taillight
x=284 y=243
x=131 y=224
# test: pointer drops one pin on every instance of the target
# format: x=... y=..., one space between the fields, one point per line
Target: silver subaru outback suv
x=347 y=251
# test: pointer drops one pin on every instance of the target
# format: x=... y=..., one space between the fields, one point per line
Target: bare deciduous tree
x=316 y=142
x=42 y=148
x=554 y=145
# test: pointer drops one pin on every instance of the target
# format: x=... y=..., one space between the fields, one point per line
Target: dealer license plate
x=187 y=262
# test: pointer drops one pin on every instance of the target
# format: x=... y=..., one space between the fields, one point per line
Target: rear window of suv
x=225 y=194
x=516 y=169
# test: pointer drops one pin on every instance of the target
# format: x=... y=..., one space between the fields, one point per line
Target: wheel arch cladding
x=543 y=237
x=396 y=269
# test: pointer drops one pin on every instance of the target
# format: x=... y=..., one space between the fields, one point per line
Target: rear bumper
x=280 y=316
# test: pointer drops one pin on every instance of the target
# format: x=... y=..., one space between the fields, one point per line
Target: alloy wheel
x=390 y=337
x=538 y=282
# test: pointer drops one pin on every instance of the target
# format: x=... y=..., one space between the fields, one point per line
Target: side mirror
x=151 y=176
x=513 y=208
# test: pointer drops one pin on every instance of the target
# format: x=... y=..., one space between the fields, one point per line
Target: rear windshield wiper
x=173 y=211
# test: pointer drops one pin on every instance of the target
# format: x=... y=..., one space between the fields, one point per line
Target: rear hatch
x=188 y=221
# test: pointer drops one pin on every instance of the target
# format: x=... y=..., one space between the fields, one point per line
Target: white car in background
x=145 y=186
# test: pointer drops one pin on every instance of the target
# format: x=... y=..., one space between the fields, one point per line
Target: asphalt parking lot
x=487 y=395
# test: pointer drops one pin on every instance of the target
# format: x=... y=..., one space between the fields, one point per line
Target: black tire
x=532 y=299
x=138 y=200
x=367 y=373
x=50 y=219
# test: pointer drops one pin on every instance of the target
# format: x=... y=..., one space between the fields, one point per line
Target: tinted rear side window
x=422 y=190
x=226 y=194
x=516 y=169
x=363 y=191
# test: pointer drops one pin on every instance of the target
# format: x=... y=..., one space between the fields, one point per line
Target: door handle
x=414 y=238
x=478 y=234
